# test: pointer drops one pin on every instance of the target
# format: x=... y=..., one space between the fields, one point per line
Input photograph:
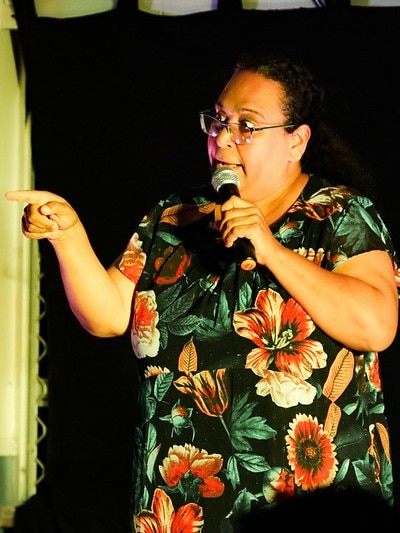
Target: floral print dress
x=244 y=401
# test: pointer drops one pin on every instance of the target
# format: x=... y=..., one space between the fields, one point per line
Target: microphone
x=225 y=181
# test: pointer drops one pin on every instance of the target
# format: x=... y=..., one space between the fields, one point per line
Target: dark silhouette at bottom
x=329 y=509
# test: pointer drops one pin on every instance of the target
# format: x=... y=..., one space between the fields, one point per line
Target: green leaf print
x=185 y=325
x=347 y=230
x=252 y=463
x=243 y=502
x=243 y=426
x=162 y=384
x=232 y=472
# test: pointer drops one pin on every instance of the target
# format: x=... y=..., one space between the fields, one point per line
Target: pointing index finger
x=31 y=196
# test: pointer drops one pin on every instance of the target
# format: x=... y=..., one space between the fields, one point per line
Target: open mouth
x=219 y=164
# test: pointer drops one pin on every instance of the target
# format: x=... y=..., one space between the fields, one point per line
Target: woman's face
x=270 y=162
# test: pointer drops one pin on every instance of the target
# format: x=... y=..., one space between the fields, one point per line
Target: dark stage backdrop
x=114 y=100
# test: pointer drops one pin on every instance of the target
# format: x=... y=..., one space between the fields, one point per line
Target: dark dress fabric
x=244 y=401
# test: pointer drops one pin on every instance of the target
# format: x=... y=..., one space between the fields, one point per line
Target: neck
x=283 y=199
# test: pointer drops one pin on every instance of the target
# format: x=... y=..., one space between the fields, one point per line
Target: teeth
x=231 y=165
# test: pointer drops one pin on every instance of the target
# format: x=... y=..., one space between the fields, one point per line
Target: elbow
x=98 y=331
x=383 y=337
x=383 y=330
x=103 y=329
x=386 y=342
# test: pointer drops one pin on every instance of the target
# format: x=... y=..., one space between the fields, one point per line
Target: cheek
x=272 y=154
x=211 y=148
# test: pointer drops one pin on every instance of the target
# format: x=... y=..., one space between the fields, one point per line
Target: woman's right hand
x=47 y=215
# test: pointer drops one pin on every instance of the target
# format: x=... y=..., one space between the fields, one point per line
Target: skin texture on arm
x=99 y=298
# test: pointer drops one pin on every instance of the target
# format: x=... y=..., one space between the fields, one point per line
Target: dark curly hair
x=327 y=154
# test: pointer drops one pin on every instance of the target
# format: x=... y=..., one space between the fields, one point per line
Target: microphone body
x=225 y=181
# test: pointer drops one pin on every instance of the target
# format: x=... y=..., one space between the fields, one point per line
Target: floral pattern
x=244 y=402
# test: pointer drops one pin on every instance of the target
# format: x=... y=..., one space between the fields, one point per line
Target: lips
x=220 y=164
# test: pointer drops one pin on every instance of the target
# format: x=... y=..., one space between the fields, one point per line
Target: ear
x=298 y=142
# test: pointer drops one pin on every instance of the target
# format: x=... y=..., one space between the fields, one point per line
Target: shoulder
x=182 y=207
x=317 y=186
x=197 y=194
x=340 y=197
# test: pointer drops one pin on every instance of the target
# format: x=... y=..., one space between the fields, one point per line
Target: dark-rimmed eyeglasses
x=240 y=132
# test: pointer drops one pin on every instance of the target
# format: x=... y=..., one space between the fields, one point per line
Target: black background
x=114 y=100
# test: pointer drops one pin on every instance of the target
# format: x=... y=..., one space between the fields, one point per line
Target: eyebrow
x=244 y=110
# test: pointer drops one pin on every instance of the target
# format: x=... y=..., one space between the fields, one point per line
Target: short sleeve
x=358 y=228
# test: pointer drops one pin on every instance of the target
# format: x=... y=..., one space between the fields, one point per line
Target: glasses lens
x=239 y=133
x=242 y=134
x=210 y=124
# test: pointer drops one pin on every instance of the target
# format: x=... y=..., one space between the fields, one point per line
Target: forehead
x=251 y=91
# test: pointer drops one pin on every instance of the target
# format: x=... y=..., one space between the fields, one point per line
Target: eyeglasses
x=240 y=132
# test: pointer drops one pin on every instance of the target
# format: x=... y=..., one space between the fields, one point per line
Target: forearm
x=92 y=293
x=355 y=310
x=99 y=298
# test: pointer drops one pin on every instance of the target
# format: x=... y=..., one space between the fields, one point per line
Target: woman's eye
x=246 y=124
x=220 y=117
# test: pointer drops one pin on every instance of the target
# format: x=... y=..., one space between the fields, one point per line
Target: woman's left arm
x=357 y=304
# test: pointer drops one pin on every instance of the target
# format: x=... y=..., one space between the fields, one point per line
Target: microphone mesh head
x=224 y=175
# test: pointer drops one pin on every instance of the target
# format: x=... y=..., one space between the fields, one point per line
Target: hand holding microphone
x=226 y=182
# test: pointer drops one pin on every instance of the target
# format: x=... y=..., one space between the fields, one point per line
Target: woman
x=256 y=385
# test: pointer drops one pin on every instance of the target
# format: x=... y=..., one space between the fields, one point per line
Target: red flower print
x=133 y=259
x=278 y=484
x=311 y=453
x=372 y=369
x=162 y=517
x=193 y=471
x=145 y=337
x=172 y=265
x=281 y=331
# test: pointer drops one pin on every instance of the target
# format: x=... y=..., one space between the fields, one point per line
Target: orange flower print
x=372 y=369
x=312 y=255
x=179 y=418
x=133 y=259
x=145 y=337
x=208 y=390
x=289 y=229
x=311 y=453
x=278 y=484
x=323 y=204
x=337 y=259
x=281 y=333
x=192 y=472
x=286 y=391
x=162 y=517
x=172 y=265
x=153 y=370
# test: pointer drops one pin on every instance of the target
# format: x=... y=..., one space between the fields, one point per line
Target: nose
x=224 y=136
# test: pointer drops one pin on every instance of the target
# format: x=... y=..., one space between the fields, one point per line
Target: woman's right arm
x=100 y=298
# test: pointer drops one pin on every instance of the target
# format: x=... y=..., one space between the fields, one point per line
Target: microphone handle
x=244 y=250
x=245 y=253
x=226 y=190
